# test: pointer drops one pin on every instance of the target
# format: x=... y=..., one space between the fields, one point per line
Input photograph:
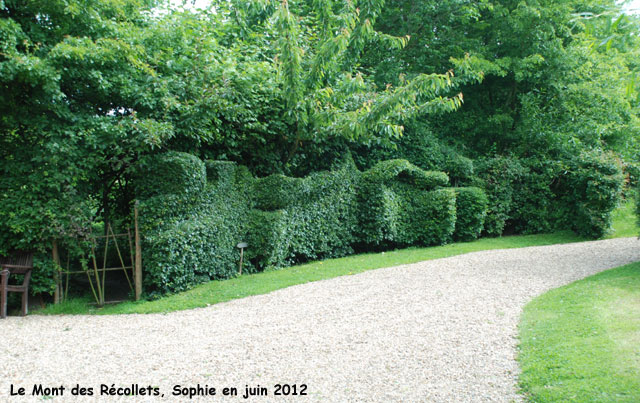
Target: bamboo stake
x=115 y=241
x=95 y=272
x=66 y=287
x=93 y=290
x=56 y=260
x=138 y=263
x=104 y=260
x=131 y=255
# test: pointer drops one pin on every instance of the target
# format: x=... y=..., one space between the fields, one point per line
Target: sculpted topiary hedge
x=193 y=213
x=400 y=205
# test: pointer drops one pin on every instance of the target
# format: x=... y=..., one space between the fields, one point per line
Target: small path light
x=241 y=246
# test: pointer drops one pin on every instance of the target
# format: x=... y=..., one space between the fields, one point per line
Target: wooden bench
x=17 y=263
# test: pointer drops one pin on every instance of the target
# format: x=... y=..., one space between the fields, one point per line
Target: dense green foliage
x=471 y=211
x=624 y=225
x=287 y=89
x=192 y=216
x=399 y=206
x=192 y=221
x=534 y=196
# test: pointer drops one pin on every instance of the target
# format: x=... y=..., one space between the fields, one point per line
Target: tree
x=534 y=54
x=327 y=95
x=74 y=91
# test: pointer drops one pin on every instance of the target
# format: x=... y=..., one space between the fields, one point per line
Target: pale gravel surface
x=442 y=330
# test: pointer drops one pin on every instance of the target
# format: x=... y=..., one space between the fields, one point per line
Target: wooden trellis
x=97 y=275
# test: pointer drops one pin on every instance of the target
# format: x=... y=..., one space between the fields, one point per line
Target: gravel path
x=441 y=330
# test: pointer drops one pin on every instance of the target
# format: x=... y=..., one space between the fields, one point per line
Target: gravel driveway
x=441 y=330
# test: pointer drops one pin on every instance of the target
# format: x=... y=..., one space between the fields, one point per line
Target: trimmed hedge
x=471 y=211
x=190 y=231
x=403 y=170
x=396 y=210
x=169 y=173
x=316 y=217
x=276 y=191
x=190 y=237
x=193 y=213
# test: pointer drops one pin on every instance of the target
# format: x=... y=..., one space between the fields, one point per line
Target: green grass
x=580 y=342
x=624 y=221
x=261 y=283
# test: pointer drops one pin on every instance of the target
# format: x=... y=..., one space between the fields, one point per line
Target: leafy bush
x=533 y=195
x=471 y=211
x=498 y=176
x=593 y=189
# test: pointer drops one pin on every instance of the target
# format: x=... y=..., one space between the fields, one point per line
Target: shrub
x=593 y=189
x=471 y=211
x=395 y=208
x=632 y=177
x=535 y=195
x=169 y=173
x=497 y=176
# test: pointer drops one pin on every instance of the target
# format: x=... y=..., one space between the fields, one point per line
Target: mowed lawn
x=581 y=342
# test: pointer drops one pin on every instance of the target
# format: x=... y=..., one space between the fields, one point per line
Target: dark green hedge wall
x=314 y=217
x=193 y=213
x=399 y=207
x=189 y=236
